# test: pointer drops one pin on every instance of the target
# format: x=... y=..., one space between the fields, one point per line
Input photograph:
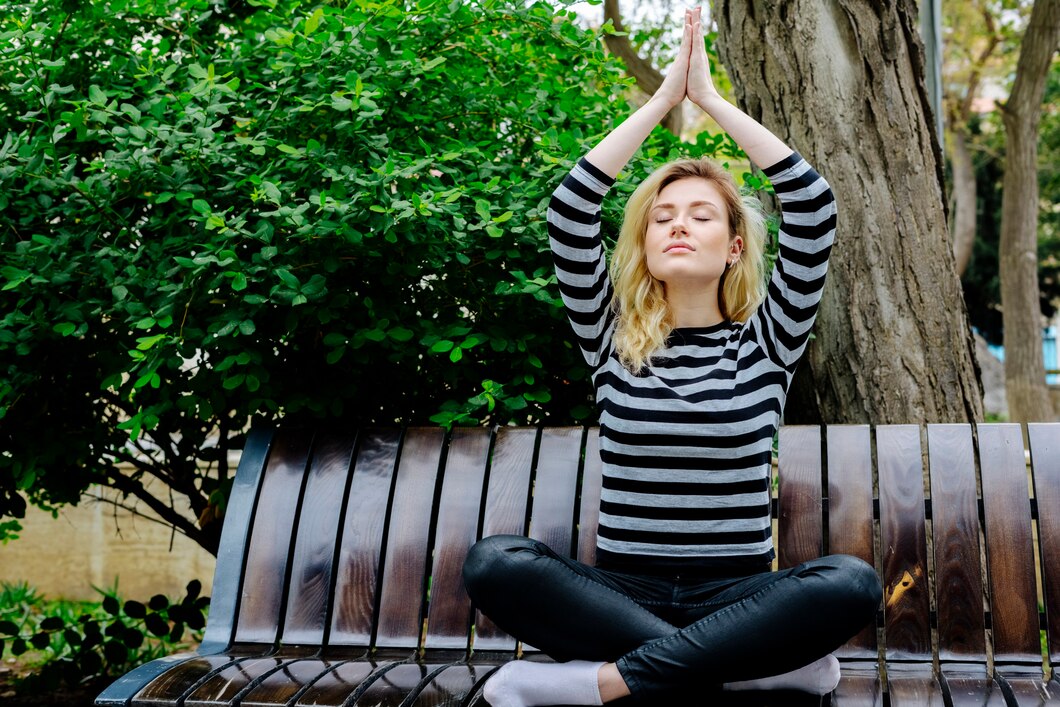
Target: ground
x=66 y=697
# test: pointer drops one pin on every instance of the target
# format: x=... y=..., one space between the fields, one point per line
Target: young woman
x=692 y=357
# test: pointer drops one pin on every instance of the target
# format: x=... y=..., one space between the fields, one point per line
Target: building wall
x=95 y=543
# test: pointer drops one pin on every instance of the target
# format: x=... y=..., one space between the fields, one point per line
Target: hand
x=672 y=90
x=700 y=86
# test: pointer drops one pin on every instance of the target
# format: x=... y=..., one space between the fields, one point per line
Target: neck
x=694 y=304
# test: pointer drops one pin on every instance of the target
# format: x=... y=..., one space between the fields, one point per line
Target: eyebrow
x=692 y=205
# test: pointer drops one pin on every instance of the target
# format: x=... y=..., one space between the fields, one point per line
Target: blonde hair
x=644 y=318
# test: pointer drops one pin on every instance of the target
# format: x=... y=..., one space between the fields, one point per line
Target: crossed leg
x=755 y=629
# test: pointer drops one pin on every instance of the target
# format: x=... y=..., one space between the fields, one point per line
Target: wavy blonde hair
x=644 y=317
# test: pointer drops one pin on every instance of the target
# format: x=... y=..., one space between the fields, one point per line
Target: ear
x=736 y=245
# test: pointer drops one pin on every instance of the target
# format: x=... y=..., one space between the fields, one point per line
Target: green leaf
x=442 y=346
x=400 y=334
x=64 y=328
x=233 y=382
x=456 y=354
x=503 y=217
x=239 y=282
x=313 y=22
x=201 y=206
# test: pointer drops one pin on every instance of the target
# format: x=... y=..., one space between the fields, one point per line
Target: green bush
x=86 y=642
x=222 y=211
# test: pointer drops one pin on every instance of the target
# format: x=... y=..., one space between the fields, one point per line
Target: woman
x=692 y=359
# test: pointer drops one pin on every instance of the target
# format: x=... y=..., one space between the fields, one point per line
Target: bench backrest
x=356 y=539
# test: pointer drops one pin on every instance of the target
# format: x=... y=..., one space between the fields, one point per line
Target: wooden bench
x=338 y=579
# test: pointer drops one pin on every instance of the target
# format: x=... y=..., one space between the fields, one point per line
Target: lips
x=679 y=244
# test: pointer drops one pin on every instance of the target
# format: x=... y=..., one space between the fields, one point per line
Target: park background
x=216 y=212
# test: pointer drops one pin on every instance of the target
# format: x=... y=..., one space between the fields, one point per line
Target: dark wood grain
x=333 y=688
x=1009 y=549
x=282 y=685
x=362 y=538
x=555 y=487
x=589 y=509
x=970 y=685
x=906 y=597
x=1045 y=461
x=799 y=524
x=225 y=685
x=404 y=569
x=121 y=691
x=449 y=687
x=1025 y=690
x=955 y=535
x=169 y=687
x=850 y=512
x=859 y=686
x=449 y=610
x=318 y=530
x=270 y=540
x=913 y=685
x=505 y=512
x=235 y=534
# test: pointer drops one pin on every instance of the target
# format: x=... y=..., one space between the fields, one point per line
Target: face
x=688 y=233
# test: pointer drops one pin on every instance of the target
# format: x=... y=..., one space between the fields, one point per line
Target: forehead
x=687 y=190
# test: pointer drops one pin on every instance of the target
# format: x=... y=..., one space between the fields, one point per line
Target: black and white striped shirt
x=686 y=445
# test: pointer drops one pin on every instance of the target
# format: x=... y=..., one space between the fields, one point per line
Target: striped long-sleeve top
x=685 y=446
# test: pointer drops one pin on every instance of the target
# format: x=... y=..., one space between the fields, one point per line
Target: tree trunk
x=964 y=200
x=1028 y=395
x=843 y=83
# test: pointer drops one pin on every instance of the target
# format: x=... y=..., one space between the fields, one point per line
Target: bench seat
x=338 y=578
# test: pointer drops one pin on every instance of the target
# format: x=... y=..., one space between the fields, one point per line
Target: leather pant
x=671 y=633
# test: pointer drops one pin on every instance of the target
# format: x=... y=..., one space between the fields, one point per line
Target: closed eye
x=664 y=220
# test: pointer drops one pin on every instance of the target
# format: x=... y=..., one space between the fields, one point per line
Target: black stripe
x=595 y=172
x=790 y=161
x=740 y=537
x=685 y=488
x=627 y=510
x=690 y=463
x=661 y=440
x=733 y=395
x=692 y=417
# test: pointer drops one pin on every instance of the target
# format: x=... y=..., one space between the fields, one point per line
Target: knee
x=485 y=558
x=853 y=583
x=861 y=582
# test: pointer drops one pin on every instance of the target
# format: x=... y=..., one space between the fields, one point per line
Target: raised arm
x=763 y=147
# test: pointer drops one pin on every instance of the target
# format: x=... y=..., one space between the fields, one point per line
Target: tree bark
x=843 y=83
x=964 y=200
x=647 y=76
x=1028 y=395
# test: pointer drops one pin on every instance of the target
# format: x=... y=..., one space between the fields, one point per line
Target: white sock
x=521 y=683
x=819 y=677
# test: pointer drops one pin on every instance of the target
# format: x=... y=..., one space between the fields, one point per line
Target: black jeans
x=668 y=634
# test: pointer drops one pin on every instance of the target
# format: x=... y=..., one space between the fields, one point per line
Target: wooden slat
x=913 y=685
x=1045 y=460
x=589 y=510
x=314 y=548
x=971 y=686
x=281 y=686
x=362 y=538
x=449 y=611
x=799 y=524
x=228 y=573
x=173 y=684
x=396 y=685
x=850 y=513
x=555 y=487
x=505 y=512
x=955 y=535
x=902 y=533
x=449 y=687
x=334 y=687
x=1009 y=549
x=404 y=568
x=859 y=686
x=270 y=539
x=225 y=685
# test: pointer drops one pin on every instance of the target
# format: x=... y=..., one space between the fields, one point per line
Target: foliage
x=83 y=642
x=981 y=281
x=217 y=211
